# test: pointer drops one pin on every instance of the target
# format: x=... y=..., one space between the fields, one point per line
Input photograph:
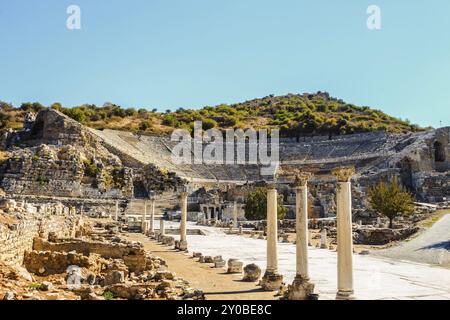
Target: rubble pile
x=95 y=270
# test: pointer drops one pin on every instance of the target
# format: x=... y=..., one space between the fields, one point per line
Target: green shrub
x=108 y=295
x=145 y=125
x=256 y=205
x=91 y=169
x=35 y=286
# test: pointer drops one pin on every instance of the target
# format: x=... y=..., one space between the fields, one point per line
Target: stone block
x=234 y=266
x=252 y=273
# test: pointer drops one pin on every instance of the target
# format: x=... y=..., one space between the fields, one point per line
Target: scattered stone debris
x=234 y=266
x=252 y=273
x=91 y=267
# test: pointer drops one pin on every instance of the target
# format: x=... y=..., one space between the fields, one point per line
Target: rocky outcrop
x=382 y=236
x=58 y=156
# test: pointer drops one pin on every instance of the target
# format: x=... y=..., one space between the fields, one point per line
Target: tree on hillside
x=390 y=199
x=256 y=205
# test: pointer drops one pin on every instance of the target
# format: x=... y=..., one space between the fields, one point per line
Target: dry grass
x=438 y=215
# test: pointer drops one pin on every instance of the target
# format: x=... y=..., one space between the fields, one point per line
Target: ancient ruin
x=72 y=197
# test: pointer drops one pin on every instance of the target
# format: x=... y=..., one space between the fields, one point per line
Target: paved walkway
x=374 y=277
x=433 y=246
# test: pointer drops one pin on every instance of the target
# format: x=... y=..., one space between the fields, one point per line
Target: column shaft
x=183 y=221
x=161 y=227
x=272 y=231
x=144 y=217
x=235 y=221
x=152 y=216
x=344 y=239
x=302 y=232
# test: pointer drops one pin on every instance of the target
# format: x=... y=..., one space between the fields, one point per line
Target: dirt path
x=215 y=283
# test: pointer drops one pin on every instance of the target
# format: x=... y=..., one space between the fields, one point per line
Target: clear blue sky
x=191 y=53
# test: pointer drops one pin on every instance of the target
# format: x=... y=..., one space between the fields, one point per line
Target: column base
x=181 y=245
x=271 y=281
x=345 y=295
x=168 y=241
x=300 y=289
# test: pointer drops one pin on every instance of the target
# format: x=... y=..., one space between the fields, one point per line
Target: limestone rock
x=9 y=295
x=73 y=276
x=114 y=276
x=234 y=266
x=252 y=273
x=46 y=286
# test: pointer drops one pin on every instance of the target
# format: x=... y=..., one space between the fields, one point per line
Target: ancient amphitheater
x=411 y=156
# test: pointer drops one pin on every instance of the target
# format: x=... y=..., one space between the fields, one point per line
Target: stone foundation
x=20 y=223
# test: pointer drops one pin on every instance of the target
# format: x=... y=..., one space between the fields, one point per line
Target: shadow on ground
x=440 y=245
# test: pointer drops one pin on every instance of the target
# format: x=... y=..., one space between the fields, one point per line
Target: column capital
x=343 y=174
x=271 y=185
x=301 y=179
x=183 y=194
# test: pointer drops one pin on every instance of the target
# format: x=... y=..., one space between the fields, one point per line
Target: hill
x=294 y=114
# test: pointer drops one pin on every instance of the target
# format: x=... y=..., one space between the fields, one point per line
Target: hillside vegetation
x=294 y=114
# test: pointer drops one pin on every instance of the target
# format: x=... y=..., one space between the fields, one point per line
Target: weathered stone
x=234 y=266
x=73 y=276
x=114 y=277
x=219 y=263
x=252 y=273
x=9 y=295
x=381 y=236
x=271 y=281
x=208 y=259
x=46 y=286
x=300 y=289
x=91 y=278
x=47 y=262
x=164 y=275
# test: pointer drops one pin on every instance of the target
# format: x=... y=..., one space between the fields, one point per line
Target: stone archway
x=439 y=152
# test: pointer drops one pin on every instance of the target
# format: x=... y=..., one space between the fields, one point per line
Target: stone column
x=235 y=214
x=301 y=287
x=344 y=233
x=152 y=217
x=272 y=280
x=323 y=239
x=162 y=231
x=144 y=218
x=116 y=215
x=183 y=239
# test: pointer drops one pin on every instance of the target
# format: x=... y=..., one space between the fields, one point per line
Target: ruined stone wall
x=20 y=223
x=134 y=257
x=433 y=188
